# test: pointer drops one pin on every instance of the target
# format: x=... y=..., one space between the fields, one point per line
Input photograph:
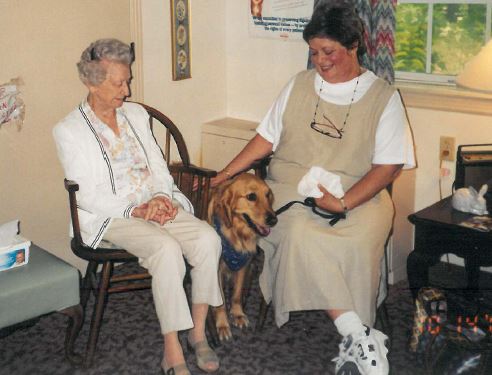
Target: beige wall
x=41 y=41
x=190 y=102
x=257 y=69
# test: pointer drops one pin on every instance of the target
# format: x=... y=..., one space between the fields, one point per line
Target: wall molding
x=444 y=98
x=136 y=34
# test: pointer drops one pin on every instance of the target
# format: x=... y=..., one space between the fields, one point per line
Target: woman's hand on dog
x=219 y=178
x=214 y=181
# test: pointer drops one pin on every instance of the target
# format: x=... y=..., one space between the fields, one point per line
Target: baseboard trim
x=397 y=274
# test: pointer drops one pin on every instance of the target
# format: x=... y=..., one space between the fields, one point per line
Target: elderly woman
x=342 y=118
x=127 y=197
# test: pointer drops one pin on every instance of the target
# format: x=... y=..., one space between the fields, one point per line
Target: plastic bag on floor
x=451 y=334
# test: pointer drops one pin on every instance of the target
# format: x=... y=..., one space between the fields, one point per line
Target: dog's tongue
x=264 y=231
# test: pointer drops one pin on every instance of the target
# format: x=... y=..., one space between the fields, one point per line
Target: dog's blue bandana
x=235 y=260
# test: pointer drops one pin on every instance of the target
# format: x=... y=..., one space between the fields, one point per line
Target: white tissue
x=308 y=186
x=8 y=231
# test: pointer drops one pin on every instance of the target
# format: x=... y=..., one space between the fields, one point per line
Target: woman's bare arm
x=257 y=148
x=380 y=176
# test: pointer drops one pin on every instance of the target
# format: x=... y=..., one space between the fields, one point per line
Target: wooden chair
x=382 y=316
x=104 y=283
x=184 y=172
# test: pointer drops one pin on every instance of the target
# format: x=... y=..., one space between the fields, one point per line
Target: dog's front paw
x=224 y=333
x=240 y=321
x=222 y=324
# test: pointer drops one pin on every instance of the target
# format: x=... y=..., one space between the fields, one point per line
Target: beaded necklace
x=331 y=129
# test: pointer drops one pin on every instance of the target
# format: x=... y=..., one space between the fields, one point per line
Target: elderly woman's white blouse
x=131 y=174
x=393 y=144
x=104 y=193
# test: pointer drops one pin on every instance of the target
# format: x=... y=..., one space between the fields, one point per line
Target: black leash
x=309 y=202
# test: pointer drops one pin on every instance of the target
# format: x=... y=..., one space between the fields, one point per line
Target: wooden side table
x=437 y=232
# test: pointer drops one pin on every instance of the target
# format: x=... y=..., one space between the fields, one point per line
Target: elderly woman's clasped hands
x=159 y=209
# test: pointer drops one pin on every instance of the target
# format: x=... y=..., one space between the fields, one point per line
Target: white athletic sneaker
x=363 y=355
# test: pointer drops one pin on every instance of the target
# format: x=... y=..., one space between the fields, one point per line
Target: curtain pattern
x=380 y=23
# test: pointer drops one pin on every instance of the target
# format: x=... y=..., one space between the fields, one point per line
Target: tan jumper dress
x=310 y=265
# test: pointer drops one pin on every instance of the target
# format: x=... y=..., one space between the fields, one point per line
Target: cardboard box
x=15 y=255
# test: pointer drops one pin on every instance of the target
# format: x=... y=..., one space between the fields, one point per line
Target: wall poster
x=279 y=19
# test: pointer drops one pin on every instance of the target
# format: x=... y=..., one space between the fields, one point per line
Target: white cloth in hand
x=308 y=186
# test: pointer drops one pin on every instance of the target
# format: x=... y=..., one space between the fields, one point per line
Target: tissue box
x=15 y=255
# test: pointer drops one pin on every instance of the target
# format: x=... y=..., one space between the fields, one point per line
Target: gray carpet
x=130 y=342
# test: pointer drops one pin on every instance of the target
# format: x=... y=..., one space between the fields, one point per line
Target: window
x=435 y=38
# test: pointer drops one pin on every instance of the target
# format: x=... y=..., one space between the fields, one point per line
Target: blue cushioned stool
x=45 y=285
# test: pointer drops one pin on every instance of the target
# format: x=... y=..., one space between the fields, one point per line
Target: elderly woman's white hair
x=91 y=71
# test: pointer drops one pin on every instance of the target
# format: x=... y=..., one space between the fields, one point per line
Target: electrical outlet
x=446 y=148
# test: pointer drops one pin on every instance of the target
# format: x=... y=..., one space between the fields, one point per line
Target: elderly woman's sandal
x=180 y=369
x=204 y=356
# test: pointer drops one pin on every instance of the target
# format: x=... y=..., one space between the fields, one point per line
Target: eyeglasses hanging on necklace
x=330 y=129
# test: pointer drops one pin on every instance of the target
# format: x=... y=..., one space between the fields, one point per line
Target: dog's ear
x=211 y=207
x=227 y=200
x=215 y=203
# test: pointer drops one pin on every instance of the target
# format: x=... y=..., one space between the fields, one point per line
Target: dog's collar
x=235 y=260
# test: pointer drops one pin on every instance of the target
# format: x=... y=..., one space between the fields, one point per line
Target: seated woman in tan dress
x=342 y=118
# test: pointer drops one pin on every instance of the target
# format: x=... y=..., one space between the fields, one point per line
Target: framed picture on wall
x=180 y=39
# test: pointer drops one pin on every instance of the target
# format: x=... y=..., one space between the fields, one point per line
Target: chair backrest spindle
x=185 y=174
x=167 y=149
x=171 y=131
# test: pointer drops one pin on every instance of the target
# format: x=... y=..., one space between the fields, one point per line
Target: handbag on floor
x=450 y=335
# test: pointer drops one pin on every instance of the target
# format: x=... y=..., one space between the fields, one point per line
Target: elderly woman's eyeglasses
x=329 y=128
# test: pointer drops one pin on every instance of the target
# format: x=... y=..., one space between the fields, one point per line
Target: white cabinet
x=223 y=139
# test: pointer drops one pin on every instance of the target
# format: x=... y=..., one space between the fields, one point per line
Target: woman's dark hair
x=338 y=23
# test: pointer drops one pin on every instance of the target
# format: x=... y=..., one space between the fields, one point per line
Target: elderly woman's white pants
x=160 y=250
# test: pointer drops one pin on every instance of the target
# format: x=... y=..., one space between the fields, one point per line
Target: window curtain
x=380 y=22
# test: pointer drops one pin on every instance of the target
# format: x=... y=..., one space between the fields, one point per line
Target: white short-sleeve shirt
x=393 y=144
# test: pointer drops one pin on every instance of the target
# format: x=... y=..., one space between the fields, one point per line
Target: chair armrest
x=71 y=186
x=78 y=246
x=192 y=170
x=194 y=182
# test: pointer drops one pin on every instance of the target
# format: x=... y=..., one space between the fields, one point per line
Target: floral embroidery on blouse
x=131 y=172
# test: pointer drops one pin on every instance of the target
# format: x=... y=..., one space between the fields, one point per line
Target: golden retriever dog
x=240 y=210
